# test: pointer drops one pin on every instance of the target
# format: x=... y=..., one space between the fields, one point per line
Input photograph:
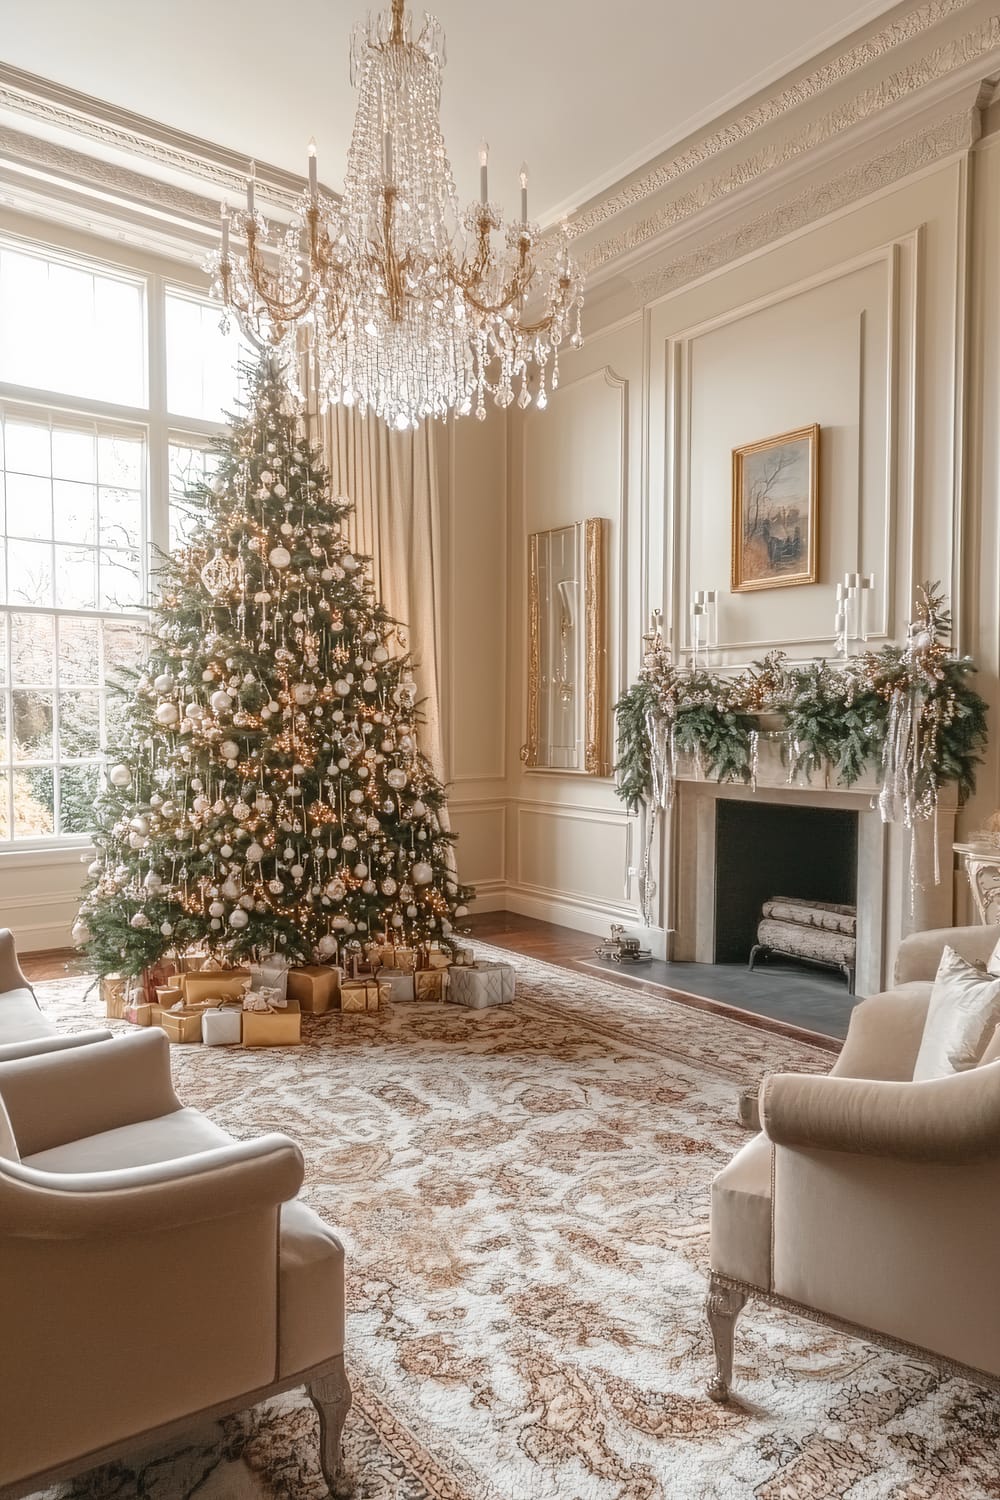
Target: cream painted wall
x=870 y=323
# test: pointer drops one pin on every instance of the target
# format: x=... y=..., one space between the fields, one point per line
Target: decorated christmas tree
x=271 y=795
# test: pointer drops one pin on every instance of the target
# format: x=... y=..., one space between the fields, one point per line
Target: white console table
x=982 y=865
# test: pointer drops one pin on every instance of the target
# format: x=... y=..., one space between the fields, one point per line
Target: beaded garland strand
x=272 y=794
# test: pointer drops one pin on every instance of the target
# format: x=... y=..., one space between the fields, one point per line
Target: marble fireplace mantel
x=886 y=908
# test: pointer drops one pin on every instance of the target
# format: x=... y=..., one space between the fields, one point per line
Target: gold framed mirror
x=567 y=712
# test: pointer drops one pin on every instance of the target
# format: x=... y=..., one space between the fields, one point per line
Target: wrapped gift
x=270 y=974
x=438 y=958
x=222 y=1025
x=115 y=994
x=315 y=986
x=183 y=1025
x=399 y=982
x=363 y=994
x=397 y=956
x=463 y=956
x=480 y=985
x=280 y=1026
x=169 y=996
x=212 y=985
x=139 y=1013
x=429 y=984
x=192 y=962
x=156 y=977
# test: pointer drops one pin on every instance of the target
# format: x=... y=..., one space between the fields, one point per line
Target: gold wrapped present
x=156 y=976
x=438 y=958
x=169 y=996
x=220 y=984
x=139 y=1013
x=315 y=986
x=183 y=1025
x=115 y=994
x=362 y=994
x=428 y=984
x=273 y=1028
x=397 y=957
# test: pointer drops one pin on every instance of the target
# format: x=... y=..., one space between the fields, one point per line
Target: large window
x=92 y=477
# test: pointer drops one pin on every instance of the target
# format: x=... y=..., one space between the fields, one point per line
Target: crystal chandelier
x=405 y=306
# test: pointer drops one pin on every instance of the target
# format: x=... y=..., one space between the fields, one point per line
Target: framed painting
x=776 y=511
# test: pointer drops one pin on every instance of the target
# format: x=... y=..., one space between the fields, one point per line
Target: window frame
x=160 y=429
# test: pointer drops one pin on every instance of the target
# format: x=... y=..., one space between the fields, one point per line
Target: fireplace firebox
x=805 y=853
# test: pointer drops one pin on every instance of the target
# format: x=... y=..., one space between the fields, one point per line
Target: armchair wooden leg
x=723 y=1306
x=331 y=1395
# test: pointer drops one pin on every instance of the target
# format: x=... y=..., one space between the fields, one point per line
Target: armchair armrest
x=11 y=973
x=44 y=1045
x=235 y=1179
x=954 y=1119
x=65 y=1096
x=920 y=953
x=883 y=1037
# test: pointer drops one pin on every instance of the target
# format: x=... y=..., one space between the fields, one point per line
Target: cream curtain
x=392 y=479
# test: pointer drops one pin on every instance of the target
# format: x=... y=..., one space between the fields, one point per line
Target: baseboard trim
x=566 y=912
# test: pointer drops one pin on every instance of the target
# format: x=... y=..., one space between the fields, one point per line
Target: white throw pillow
x=963 y=1012
x=993 y=962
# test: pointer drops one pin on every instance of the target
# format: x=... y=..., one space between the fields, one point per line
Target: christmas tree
x=272 y=795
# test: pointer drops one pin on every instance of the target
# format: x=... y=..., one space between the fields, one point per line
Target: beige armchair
x=870 y=1202
x=25 y=1031
x=152 y=1269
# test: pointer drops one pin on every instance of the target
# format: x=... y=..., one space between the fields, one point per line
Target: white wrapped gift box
x=480 y=985
x=222 y=1027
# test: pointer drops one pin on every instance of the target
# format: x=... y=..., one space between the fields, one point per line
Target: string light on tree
x=243 y=810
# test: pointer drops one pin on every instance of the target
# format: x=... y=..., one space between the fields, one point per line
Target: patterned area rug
x=523 y=1194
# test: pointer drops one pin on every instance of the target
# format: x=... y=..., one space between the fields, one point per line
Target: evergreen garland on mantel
x=908 y=711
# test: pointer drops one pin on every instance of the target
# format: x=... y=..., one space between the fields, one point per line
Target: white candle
x=311 y=149
x=225 y=231
x=251 y=185
x=524 y=192
x=484 y=156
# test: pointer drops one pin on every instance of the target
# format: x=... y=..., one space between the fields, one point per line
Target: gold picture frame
x=567 y=652
x=776 y=511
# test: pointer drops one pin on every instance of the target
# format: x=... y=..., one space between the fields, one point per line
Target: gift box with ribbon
x=183 y=1024
x=429 y=984
x=213 y=985
x=139 y=1013
x=115 y=994
x=480 y=985
x=270 y=974
x=222 y=1026
x=271 y=1019
x=315 y=986
x=363 y=994
x=399 y=982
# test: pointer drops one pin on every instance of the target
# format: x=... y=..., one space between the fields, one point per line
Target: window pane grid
x=53 y=707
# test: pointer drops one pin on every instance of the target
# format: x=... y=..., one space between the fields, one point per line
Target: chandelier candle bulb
x=251 y=188
x=225 y=231
x=387 y=163
x=524 y=192
x=311 y=152
x=484 y=156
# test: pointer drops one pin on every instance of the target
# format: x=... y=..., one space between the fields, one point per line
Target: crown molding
x=819 y=80
x=29 y=96
x=942 y=69
x=914 y=153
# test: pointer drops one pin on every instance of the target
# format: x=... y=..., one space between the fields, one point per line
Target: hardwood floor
x=564 y=946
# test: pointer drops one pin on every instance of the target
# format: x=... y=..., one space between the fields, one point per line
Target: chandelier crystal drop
x=404 y=306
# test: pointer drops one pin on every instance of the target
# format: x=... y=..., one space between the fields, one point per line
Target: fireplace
x=711 y=916
x=766 y=849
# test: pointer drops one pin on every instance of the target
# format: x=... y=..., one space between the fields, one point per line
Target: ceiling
x=583 y=92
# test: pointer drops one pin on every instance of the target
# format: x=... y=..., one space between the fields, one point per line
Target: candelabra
x=405 y=306
x=851 y=618
x=704 y=624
